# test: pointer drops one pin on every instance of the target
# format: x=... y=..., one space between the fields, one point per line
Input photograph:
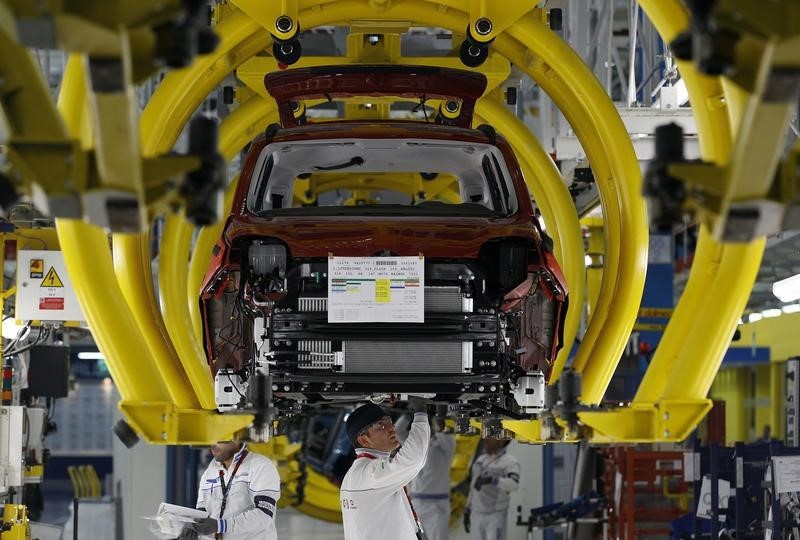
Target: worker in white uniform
x=375 y=503
x=239 y=490
x=430 y=489
x=494 y=475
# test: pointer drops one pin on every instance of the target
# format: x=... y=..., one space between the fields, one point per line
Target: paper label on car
x=376 y=289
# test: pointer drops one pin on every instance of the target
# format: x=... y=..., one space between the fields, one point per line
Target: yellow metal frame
x=553 y=198
x=564 y=76
x=664 y=408
x=721 y=278
x=73 y=180
x=171 y=106
x=15 y=522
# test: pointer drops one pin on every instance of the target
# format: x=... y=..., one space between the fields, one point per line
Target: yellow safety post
x=91 y=481
x=73 y=478
x=557 y=209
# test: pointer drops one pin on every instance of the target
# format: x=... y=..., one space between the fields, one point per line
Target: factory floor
x=292 y=524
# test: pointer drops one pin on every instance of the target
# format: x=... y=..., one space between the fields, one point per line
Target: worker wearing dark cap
x=375 y=503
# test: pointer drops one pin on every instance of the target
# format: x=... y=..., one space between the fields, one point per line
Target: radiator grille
x=312 y=304
x=403 y=356
x=446 y=300
x=314 y=354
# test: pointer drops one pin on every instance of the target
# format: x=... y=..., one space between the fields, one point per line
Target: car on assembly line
x=377 y=257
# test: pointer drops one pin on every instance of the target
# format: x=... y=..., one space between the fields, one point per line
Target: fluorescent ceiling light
x=774 y=312
x=753 y=317
x=787 y=290
x=91 y=355
x=791 y=308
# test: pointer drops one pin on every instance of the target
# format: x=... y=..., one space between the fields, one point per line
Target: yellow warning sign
x=382 y=291
x=37 y=268
x=52 y=279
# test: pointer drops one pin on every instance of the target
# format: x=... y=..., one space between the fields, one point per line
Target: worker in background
x=375 y=503
x=239 y=490
x=494 y=475
x=430 y=489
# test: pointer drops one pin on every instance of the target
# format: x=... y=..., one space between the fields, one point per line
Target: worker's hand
x=206 y=526
x=467 y=515
x=482 y=481
x=188 y=533
x=418 y=404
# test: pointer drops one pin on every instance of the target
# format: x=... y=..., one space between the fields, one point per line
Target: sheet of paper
x=182 y=511
x=171 y=519
x=723 y=494
x=786 y=471
x=376 y=289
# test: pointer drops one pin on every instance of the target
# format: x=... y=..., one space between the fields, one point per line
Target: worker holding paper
x=239 y=490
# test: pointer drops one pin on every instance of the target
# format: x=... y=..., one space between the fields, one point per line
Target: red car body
x=519 y=308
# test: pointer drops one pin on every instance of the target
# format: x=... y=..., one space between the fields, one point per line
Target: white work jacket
x=252 y=497
x=504 y=471
x=374 y=503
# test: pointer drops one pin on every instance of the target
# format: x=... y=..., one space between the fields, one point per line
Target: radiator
x=392 y=356
x=407 y=356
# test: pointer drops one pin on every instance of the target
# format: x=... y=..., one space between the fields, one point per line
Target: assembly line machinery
x=97 y=166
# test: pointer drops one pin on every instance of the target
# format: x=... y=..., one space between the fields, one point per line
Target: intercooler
x=382 y=356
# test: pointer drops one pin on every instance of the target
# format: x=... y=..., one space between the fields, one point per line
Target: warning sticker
x=37 y=268
x=51 y=303
x=52 y=279
x=44 y=289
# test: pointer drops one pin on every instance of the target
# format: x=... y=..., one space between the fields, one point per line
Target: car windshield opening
x=393 y=177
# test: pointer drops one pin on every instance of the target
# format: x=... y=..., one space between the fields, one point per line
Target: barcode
x=386 y=263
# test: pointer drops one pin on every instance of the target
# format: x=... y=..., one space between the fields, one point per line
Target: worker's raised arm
x=394 y=473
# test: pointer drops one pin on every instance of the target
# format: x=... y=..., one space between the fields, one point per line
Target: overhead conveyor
x=166 y=88
x=141 y=337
